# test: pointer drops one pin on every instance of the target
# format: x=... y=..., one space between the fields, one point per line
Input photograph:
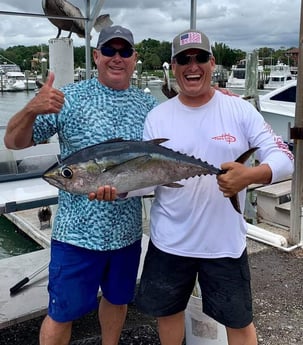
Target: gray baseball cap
x=190 y=39
x=110 y=32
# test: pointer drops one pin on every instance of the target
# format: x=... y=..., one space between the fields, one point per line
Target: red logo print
x=226 y=137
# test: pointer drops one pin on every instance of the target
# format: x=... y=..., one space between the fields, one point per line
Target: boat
x=8 y=67
x=280 y=74
x=237 y=76
x=152 y=80
x=219 y=76
x=12 y=81
x=236 y=79
x=16 y=81
x=80 y=74
x=30 y=83
x=278 y=108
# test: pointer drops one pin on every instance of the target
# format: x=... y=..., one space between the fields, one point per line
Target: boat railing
x=27 y=163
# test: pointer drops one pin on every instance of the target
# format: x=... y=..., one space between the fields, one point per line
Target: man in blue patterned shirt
x=94 y=244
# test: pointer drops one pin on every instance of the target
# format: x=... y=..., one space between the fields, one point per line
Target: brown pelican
x=168 y=90
x=64 y=8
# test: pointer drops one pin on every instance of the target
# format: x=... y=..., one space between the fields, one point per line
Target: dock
x=28 y=222
x=13 y=310
x=32 y=299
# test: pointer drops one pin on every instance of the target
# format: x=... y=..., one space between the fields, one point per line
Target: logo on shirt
x=227 y=137
x=279 y=141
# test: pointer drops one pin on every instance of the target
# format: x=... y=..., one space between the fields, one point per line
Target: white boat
x=30 y=84
x=12 y=81
x=153 y=81
x=16 y=81
x=280 y=74
x=236 y=79
x=278 y=108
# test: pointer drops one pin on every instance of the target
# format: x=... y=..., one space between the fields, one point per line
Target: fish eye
x=67 y=172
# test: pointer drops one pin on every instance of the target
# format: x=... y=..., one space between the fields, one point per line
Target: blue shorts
x=168 y=280
x=75 y=275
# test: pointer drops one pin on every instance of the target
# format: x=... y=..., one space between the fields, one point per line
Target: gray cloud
x=240 y=24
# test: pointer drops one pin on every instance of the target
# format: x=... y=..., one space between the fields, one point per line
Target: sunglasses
x=123 y=52
x=183 y=59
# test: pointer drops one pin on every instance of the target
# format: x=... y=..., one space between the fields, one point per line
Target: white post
x=61 y=60
x=296 y=221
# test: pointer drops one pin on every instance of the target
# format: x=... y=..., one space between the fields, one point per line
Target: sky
x=240 y=24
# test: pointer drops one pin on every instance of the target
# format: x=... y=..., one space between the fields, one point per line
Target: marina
x=22 y=197
x=275 y=258
x=237 y=77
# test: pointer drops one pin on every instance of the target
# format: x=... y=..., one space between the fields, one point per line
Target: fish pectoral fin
x=131 y=162
x=173 y=185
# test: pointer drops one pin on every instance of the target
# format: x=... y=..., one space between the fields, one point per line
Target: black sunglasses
x=123 y=52
x=183 y=59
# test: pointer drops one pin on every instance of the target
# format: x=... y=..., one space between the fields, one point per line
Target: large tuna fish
x=129 y=165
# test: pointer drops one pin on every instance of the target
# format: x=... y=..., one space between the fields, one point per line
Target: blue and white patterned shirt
x=93 y=113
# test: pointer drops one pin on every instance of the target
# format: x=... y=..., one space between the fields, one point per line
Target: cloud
x=240 y=24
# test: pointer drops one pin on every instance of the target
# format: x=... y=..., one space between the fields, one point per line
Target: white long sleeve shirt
x=197 y=220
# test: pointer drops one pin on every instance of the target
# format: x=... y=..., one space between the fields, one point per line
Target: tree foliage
x=226 y=56
x=151 y=52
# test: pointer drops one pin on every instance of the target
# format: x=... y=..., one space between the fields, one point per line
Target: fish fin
x=138 y=160
x=241 y=159
x=157 y=141
x=244 y=157
x=173 y=185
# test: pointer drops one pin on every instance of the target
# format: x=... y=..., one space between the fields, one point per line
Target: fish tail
x=235 y=202
x=244 y=157
x=241 y=159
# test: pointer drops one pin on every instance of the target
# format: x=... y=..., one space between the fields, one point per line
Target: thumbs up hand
x=48 y=100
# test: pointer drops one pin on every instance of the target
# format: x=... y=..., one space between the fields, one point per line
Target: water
x=10 y=103
x=13 y=242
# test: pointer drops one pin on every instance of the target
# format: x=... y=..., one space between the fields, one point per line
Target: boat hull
x=279 y=123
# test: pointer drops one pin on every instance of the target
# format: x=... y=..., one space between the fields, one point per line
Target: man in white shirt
x=194 y=230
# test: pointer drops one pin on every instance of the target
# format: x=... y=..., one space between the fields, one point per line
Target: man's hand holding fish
x=105 y=193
